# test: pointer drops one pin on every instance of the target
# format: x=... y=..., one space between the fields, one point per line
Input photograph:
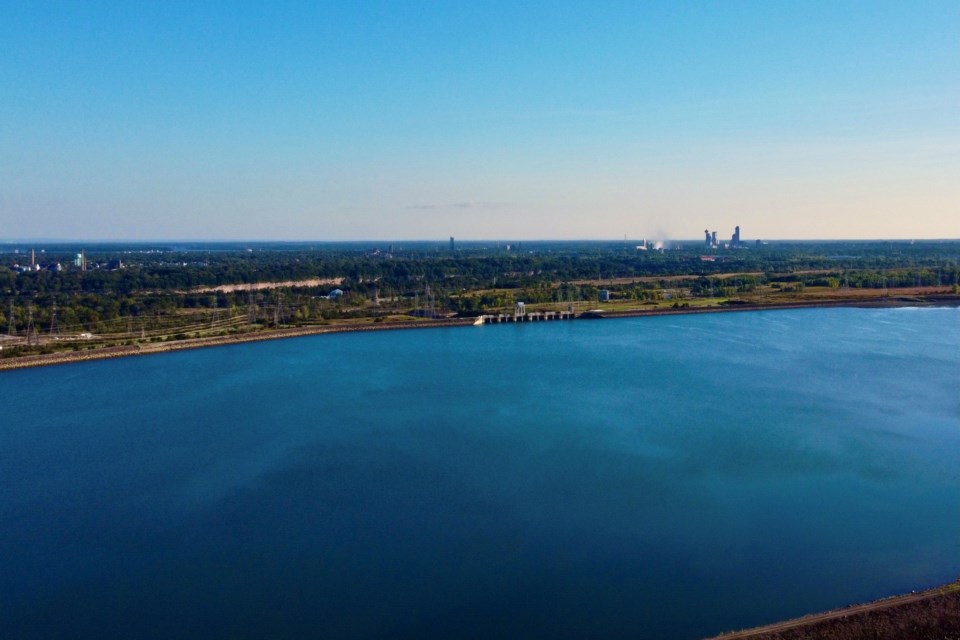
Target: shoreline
x=842 y=616
x=151 y=348
x=122 y=351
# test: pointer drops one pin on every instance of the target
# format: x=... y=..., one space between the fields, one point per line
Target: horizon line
x=649 y=240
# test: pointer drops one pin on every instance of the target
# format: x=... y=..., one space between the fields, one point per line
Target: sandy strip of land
x=674 y=278
x=257 y=286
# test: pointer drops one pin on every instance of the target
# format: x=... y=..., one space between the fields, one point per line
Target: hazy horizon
x=202 y=121
x=690 y=242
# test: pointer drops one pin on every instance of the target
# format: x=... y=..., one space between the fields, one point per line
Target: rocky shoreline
x=933 y=614
x=122 y=351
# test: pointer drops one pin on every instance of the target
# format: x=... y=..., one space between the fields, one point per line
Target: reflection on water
x=653 y=477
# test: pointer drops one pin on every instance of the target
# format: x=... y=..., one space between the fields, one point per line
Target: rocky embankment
x=121 y=351
x=929 y=615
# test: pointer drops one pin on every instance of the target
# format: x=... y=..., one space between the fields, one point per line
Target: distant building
x=735 y=240
x=333 y=295
x=604 y=295
x=451 y=243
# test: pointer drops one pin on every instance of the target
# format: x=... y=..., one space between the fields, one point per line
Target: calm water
x=648 y=478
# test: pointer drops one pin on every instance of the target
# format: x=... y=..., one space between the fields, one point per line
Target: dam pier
x=520 y=314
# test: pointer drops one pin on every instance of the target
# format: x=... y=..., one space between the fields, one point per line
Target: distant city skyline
x=522 y=121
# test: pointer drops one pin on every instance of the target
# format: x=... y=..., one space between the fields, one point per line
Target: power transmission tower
x=53 y=321
x=428 y=295
x=29 y=325
x=12 y=325
x=278 y=311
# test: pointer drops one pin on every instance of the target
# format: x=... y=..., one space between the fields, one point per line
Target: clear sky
x=514 y=120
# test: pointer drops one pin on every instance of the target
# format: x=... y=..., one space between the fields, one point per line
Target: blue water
x=667 y=477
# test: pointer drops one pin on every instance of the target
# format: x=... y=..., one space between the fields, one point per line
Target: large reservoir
x=667 y=477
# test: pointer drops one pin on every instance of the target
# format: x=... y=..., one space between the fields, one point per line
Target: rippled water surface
x=666 y=477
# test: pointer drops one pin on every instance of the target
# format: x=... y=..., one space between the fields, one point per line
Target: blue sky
x=400 y=120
